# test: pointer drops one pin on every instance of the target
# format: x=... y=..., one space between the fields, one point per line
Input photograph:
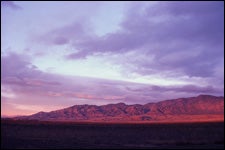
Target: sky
x=59 y=54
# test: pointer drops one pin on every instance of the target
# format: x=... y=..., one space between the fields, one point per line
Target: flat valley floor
x=78 y=135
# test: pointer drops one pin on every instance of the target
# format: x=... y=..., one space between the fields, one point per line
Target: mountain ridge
x=202 y=107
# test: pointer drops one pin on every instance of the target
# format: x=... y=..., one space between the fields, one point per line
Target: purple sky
x=58 y=54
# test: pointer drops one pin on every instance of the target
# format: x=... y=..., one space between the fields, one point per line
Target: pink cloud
x=38 y=82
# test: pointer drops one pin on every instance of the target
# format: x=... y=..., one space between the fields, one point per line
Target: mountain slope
x=202 y=107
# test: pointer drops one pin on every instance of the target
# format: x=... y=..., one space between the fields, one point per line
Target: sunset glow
x=58 y=54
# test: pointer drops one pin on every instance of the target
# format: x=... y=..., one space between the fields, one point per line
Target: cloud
x=38 y=82
x=7 y=92
x=181 y=88
x=22 y=77
x=96 y=97
x=69 y=34
x=11 y=5
x=60 y=40
x=179 y=37
x=16 y=65
x=176 y=36
x=77 y=55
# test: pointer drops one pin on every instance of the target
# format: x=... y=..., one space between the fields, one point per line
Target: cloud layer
x=25 y=85
x=183 y=37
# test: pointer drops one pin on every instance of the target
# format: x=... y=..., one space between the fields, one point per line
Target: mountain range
x=200 y=108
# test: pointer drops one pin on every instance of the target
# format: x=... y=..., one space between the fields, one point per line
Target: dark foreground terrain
x=35 y=134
